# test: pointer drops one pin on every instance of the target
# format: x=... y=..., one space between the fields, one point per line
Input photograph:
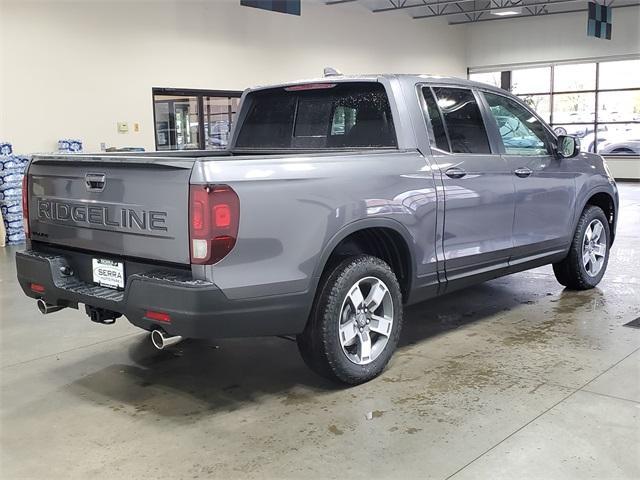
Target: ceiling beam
x=338 y=2
x=543 y=14
x=509 y=3
x=491 y=7
x=401 y=7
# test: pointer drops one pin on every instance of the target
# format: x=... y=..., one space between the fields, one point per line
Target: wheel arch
x=383 y=237
x=604 y=199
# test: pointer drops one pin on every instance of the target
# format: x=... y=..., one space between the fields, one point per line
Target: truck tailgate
x=123 y=206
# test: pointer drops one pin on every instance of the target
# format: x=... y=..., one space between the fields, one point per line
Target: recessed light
x=505 y=13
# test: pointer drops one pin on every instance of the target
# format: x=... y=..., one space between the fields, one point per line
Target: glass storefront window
x=612 y=127
x=219 y=113
x=619 y=139
x=572 y=77
x=490 y=78
x=620 y=106
x=620 y=74
x=540 y=103
x=193 y=120
x=531 y=80
x=574 y=108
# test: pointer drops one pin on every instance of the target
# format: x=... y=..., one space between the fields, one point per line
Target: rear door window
x=440 y=139
x=463 y=120
x=318 y=116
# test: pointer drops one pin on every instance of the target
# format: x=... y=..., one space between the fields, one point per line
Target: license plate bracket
x=108 y=273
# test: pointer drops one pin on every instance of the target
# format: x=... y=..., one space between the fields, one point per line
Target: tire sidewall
x=338 y=285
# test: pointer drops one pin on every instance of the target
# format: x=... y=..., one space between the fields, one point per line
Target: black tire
x=571 y=271
x=320 y=345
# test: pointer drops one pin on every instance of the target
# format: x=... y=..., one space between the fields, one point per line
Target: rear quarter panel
x=294 y=207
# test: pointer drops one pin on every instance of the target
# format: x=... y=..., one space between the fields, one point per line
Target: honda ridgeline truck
x=338 y=202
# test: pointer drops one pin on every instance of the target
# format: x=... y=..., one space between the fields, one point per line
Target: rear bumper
x=197 y=308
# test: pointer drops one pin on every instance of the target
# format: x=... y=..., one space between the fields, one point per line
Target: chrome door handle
x=523 y=172
x=455 y=172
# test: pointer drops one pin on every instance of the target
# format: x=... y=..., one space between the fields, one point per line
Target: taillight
x=25 y=205
x=214 y=216
x=158 y=316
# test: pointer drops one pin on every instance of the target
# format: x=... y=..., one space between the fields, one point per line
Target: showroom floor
x=514 y=378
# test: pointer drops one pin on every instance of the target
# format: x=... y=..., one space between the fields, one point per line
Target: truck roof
x=375 y=77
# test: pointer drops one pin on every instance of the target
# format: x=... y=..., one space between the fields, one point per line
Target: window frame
x=550 y=137
x=200 y=94
x=487 y=118
x=507 y=70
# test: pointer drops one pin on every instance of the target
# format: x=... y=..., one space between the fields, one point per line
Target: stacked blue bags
x=71 y=145
x=11 y=172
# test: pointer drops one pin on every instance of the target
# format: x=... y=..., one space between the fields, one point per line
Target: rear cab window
x=343 y=115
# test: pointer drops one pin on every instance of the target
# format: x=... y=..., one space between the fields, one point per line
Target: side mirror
x=568 y=146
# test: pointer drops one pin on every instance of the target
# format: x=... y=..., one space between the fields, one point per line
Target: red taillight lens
x=36 y=287
x=214 y=213
x=158 y=316
x=25 y=205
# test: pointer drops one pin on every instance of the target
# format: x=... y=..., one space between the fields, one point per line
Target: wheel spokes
x=597 y=231
x=348 y=332
x=380 y=325
x=375 y=297
x=355 y=296
x=366 y=323
x=364 y=346
x=599 y=249
x=589 y=233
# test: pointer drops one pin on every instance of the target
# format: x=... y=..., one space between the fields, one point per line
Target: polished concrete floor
x=513 y=379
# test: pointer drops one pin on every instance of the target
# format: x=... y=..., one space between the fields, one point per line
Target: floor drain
x=633 y=323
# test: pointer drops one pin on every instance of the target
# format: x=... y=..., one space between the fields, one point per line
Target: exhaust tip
x=157 y=339
x=46 y=308
x=42 y=306
x=160 y=339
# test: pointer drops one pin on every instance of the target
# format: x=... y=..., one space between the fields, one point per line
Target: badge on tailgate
x=108 y=273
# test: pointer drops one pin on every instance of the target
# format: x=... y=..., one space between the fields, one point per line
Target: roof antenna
x=331 y=72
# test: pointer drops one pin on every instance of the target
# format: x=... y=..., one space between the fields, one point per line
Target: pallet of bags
x=70 y=145
x=11 y=172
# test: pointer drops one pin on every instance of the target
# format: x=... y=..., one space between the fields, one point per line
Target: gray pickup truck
x=338 y=201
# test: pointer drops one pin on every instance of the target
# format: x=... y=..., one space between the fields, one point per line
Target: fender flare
x=594 y=191
x=363 y=224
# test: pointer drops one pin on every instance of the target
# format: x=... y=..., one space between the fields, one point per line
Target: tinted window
x=521 y=132
x=343 y=115
x=463 y=120
x=437 y=126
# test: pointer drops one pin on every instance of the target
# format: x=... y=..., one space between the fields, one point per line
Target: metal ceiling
x=472 y=11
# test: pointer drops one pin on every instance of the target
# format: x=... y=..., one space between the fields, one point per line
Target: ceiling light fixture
x=505 y=13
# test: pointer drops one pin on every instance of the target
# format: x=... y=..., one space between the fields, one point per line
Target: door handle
x=523 y=172
x=455 y=172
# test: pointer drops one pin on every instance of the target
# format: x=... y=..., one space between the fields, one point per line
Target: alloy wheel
x=366 y=320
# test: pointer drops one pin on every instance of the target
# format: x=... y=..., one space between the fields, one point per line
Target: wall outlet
x=136 y=127
x=123 y=127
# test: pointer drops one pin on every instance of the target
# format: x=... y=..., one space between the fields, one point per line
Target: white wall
x=76 y=68
x=550 y=38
